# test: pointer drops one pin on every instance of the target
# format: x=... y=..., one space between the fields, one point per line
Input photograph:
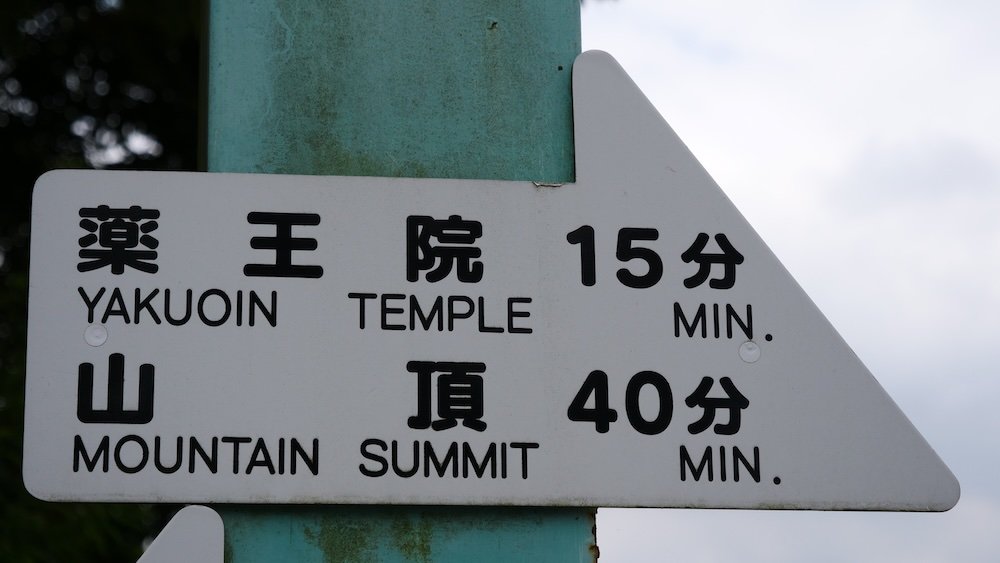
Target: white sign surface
x=195 y=534
x=624 y=340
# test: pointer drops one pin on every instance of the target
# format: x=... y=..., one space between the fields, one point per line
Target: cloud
x=928 y=169
x=710 y=536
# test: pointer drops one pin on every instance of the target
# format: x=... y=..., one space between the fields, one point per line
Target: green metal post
x=424 y=88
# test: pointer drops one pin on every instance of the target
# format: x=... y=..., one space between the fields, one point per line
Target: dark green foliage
x=85 y=83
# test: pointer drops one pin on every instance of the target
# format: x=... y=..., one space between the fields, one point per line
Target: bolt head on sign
x=624 y=340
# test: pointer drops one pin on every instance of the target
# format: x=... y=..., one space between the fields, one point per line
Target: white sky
x=860 y=139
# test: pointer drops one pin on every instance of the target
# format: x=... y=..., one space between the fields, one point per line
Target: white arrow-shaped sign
x=624 y=340
x=194 y=535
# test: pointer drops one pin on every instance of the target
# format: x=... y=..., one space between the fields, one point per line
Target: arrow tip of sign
x=952 y=491
x=621 y=139
x=954 y=496
x=195 y=534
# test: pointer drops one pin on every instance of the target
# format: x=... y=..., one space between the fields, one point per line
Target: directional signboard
x=624 y=340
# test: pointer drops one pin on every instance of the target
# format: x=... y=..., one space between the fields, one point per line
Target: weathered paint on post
x=430 y=88
x=419 y=534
